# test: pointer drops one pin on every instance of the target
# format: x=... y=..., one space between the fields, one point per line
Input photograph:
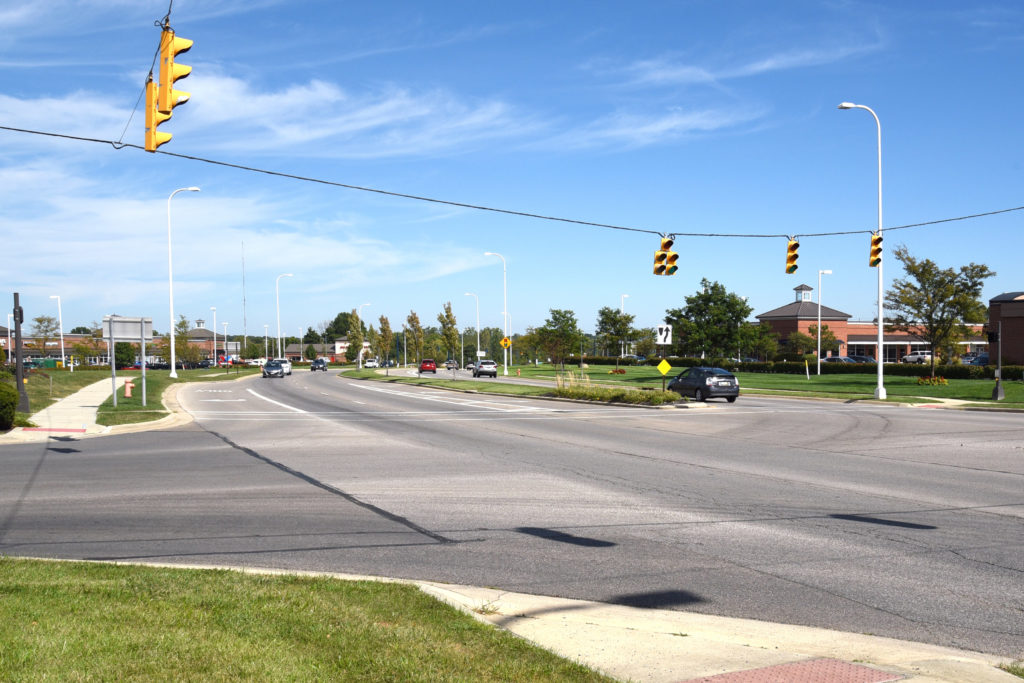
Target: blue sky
x=676 y=117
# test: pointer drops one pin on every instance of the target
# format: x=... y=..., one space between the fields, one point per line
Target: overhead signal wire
x=511 y=212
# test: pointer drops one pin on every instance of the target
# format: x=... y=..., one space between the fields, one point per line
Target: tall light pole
x=622 y=311
x=477 y=325
x=214 y=309
x=60 y=323
x=277 y=298
x=225 y=343
x=880 y=353
x=504 y=283
x=359 y=314
x=266 y=329
x=820 y=273
x=170 y=274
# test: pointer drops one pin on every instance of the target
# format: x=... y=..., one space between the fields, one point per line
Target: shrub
x=8 y=404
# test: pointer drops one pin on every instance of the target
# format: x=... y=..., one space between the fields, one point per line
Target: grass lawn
x=81 y=621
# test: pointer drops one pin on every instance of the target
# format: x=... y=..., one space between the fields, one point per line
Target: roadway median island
x=580 y=389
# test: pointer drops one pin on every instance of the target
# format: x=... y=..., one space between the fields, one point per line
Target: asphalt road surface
x=867 y=518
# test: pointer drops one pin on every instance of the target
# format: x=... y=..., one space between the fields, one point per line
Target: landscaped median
x=567 y=385
x=587 y=383
x=88 y=621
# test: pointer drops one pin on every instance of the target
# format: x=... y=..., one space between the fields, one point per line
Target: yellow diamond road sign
x=664 y=367
x=506 y=342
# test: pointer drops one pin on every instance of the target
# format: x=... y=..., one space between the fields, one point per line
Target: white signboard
x=664 y=335
x=123 y=329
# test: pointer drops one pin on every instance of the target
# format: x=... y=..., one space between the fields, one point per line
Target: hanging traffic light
x=665 y=259
x=154 y=118
x=876 y=250
x=171 y=45
x=792 y=256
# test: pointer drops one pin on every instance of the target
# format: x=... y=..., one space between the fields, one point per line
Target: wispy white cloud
x=633 y=130
x=321 y=119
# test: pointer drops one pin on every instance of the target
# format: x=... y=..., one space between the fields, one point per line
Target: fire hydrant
x=128 y=389
x=519 y=373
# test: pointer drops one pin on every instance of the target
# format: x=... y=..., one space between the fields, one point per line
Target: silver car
x=273 y=368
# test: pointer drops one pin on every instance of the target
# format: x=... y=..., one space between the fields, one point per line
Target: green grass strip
x=82 y=621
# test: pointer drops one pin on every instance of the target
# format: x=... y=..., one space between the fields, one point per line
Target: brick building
x=860 y=337
x=1006 y=316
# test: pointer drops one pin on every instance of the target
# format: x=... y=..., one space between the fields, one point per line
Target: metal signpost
x=118 y=328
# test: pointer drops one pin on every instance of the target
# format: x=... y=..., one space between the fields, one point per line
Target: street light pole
x=60 y=323
x=622 y=311
x=504 y=283
x=214 y=309
x=170 y=274
x=820 y=273
x=880 y=353
x=359 y=314
x=225 y=340
x=477 y=325
x=265 y=332
x=277 y=298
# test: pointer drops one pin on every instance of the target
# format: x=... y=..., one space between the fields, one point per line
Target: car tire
x=731 y=399
x=698 y=395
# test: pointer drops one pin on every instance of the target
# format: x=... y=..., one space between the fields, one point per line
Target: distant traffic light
x=665 y=259
x=171 y=45
x=792 y=256
x=876 y=250
x=154 y=118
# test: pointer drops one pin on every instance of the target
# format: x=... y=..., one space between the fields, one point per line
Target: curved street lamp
x=504 y=284
x=170 y=275
x=880 y=353
x=820 y=273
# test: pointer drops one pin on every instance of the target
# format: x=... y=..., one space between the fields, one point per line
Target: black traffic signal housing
x=791 y=256
x=665 y=259
x=876 y=250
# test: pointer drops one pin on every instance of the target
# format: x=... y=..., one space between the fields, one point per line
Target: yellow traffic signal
x=876 y=250
x=171 y=45
x=665 y=259
x=153 y=119
x=792 y=256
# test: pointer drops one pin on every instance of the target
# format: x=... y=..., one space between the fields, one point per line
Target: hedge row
x=8 y=405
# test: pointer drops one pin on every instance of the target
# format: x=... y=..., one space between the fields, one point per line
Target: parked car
x=451 y=364
x=287 y=364
x=318 y=364
x=917 y=357
x=428 y=365
x=470 y=365
x=703 y=383
x=486 y=367
x=980 y=359
x=274 y=368
x=371 y=363
x=838 y=359
x=861 y=359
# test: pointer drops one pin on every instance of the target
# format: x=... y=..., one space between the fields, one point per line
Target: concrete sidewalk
x=656 y=645
x=75 y=415
x=628 y=643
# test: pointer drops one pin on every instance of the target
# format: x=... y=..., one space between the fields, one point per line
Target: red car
x=428 y=365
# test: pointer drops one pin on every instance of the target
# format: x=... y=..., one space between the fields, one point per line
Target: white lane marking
x=362 y=403
x=276 y=403
x=469 y=402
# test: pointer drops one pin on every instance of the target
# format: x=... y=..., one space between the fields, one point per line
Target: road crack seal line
x=398 y=519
